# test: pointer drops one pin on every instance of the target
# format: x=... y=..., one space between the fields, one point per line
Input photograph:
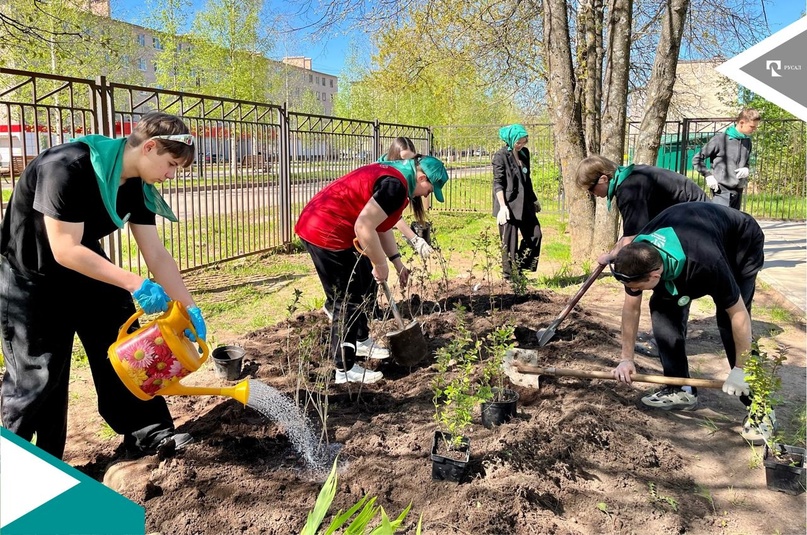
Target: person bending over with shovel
x=56 y=280
x=364 y=204
x=691 y=250
x=641 y=193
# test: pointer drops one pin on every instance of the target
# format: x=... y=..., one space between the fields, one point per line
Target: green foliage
x=454 y=398
x=762 y=376
x=362 y=512
x=497 y=344
x=656 y=497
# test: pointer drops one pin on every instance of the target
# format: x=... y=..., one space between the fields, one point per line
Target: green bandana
x=672 y=255
x=733 y=133
x=511 y=134
x=106 y=155
x=621 y=174
x=407 y=169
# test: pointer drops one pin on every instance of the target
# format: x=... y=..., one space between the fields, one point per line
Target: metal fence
x=258 y=164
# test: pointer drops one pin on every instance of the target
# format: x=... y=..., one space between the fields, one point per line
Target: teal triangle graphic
x=88 y=508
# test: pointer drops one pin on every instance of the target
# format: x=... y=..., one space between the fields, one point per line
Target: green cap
x=436 y=173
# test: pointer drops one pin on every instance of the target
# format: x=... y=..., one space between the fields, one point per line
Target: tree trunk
x=567 y=125
x=662 y=79
x=614 y=116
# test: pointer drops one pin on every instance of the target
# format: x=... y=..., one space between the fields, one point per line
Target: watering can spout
x=239 y=392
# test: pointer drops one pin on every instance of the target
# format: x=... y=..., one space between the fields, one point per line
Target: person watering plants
x=515 y=204
x=56 y=280
x=365 y=204
x=641 y=192
x=729 y=153
x=688 y=251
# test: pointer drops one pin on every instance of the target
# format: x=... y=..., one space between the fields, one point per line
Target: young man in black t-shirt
x=690 y=250
x=57 y=282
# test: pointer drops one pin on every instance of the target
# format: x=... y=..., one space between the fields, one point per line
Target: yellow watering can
x=152 y=360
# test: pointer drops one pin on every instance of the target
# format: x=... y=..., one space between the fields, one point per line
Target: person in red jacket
x=364 y=204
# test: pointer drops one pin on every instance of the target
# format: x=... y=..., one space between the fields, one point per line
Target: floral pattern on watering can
x=149 y=361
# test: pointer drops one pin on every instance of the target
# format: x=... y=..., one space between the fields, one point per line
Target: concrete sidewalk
x=785 y=266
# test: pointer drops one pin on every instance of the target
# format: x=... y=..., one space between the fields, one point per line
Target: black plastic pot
x=445 y=468
x=786 y=475
x=498 y=412
x=424 y=231
x=227 y=361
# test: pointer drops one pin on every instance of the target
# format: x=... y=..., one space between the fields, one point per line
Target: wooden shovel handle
x=636 y=377
x=583 y=289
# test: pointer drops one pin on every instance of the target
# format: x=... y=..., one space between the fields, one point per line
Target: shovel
x=520 y=373
x=407 y=345
x=545 y=335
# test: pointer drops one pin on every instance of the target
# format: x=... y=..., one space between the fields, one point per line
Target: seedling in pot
x=498 y=343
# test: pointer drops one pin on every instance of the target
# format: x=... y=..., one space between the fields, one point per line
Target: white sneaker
x=357 y=374
x=759 y=433
x=371 y=350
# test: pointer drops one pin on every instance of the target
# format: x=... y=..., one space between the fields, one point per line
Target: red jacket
x=328 y=219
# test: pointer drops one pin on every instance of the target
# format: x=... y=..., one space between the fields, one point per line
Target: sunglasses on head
x=621 y=277
x=187 y=139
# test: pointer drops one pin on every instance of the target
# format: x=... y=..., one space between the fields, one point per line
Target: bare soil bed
x=582 y=457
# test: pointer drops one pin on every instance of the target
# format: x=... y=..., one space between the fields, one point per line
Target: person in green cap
x=729 y=153
x=56 y=281
x=689 y=251
x=359 y=210
x=515 y=204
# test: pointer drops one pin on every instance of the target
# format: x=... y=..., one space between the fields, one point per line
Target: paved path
x=785 y=266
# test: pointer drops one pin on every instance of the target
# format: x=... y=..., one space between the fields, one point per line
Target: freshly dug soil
x=581 y=457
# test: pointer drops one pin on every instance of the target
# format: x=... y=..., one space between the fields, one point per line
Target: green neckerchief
x=733 y=133
x=621 y=174
x=106 y=155
x=672 y=254
x=407 y=169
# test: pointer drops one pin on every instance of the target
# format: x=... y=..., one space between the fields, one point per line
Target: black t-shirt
x=648 y=191
x=61 y=184
x=389 y=193
x=721 y=245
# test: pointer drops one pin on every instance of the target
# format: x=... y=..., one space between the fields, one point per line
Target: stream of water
x=272 y=403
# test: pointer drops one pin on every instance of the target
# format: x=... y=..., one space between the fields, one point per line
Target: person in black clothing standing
x=515 y=204
x=729 y=153
x=57 y=282
x=688 y=251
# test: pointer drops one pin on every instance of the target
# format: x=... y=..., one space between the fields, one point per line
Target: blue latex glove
x=198 y=323
x=151 y=297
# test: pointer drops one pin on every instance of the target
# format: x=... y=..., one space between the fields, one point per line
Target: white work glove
x=735 y=384
x=422 y=247
x=741 y=173
x=711 y=181
x=503 y=216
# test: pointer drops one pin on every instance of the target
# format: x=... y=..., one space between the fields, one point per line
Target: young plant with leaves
x=762 y=375
x=453 y=388
x=497 y=344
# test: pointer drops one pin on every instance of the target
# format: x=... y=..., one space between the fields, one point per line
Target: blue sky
x=328 y=52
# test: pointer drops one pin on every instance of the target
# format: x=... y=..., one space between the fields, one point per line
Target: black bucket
x=424 y=231
x=227 y=361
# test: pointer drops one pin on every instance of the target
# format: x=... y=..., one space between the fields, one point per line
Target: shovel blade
x=545 y=335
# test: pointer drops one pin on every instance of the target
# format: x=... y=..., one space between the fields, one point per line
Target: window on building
x=310 y=78
x=141 y=64
x=141 y=39
x=155 y=66
x=331 y=83
x=156 y=42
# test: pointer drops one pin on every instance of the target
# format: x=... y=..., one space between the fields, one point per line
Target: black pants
x=523 y=256
x=733 y=198
x=38 y=321
x=347 y=278
x=670 y=327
